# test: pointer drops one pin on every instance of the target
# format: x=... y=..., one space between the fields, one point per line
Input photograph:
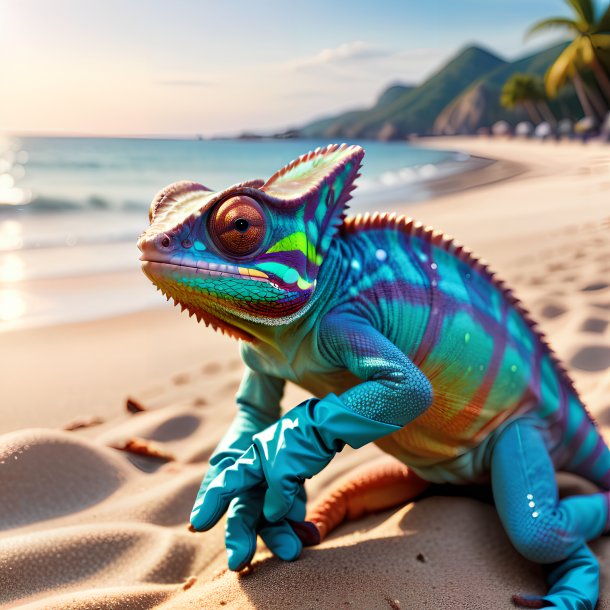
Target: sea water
x=71 y=210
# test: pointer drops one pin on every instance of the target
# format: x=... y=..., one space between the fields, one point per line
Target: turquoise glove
x=245 y=520
x=245 y=515
x=295 y=448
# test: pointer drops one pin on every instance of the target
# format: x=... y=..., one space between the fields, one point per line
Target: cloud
x=357 y=50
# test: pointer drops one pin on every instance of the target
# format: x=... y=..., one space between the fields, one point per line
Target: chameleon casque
x=404 y=338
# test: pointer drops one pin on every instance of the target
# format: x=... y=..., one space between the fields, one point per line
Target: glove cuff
x=337 y=424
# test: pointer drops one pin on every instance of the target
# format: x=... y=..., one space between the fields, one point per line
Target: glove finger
x=282 y=540
x=213 y=472
x=243 y=517
x=280 y=498
x=247 y=472
x=299 y=506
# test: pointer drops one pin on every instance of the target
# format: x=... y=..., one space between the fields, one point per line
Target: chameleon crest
x=249 y=254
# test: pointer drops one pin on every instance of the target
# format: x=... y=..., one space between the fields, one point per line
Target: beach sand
x=85 y=524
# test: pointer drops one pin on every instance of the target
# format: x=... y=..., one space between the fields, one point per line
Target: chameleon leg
x=375 y=487
x=543 y=528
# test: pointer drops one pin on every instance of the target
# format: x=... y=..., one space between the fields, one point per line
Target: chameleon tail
x=373 y=488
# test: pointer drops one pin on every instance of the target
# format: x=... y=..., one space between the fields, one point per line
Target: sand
x=85 y=524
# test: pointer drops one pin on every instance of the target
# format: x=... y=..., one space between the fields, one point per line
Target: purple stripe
x=581 y=433
x=535 y=376
x=293 y=258
x=420 y=295
x=498 y=351
x=559 y=419
x=587 y=465
x=437 y=313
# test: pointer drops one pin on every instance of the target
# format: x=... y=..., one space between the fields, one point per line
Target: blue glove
x=295 y=448
x=245 y=515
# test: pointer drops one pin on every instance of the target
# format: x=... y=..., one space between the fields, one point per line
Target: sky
x=153 y=67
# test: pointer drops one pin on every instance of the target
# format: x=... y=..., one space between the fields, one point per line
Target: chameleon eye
x=237 y=226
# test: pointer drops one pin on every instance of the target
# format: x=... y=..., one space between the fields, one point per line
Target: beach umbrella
x=586 y=125
x=543 y=130
x=500 y=128
x=524 y=129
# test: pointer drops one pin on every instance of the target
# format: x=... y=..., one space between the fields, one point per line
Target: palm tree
x=523 y=90
x=590 y=34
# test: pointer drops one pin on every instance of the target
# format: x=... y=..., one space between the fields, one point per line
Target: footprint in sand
x=175 y=428
x=552 y=310
x=210 y=368
x=594 y=287
x=181 y=379
x=591 y=358
x=594 y=325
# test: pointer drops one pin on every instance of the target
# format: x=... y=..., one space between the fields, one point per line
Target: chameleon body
x=388 y=322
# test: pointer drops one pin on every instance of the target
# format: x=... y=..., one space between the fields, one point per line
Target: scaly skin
x=406 y=326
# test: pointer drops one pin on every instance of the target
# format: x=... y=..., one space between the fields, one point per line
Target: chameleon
x=402 y=337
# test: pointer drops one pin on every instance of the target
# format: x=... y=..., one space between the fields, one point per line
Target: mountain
x=401 y=110
x=461 y=97
x=341 y=125
x=479 y=105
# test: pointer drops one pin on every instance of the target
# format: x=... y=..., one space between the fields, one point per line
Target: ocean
x=71 y=210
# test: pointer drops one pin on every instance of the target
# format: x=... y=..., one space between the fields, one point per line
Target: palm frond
x=555 y=22
x=562 y=69
x=584 y=9
x=601 y=41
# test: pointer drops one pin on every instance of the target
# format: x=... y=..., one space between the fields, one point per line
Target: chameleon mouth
x=198 y=268
x=162 y=273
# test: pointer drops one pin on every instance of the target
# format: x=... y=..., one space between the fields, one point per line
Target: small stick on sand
x=83 y=422
x=141 y=446
x=134 y=406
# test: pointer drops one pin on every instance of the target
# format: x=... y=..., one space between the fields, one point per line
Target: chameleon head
x=250 y=254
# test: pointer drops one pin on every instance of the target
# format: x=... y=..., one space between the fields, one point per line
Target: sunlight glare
x=12 y=305
x=11 y=235
x=12 y=267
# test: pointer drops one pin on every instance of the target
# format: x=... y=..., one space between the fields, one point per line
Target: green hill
x=480 y=104
x=461 y=97
x=341 y=125
x=413 y=109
